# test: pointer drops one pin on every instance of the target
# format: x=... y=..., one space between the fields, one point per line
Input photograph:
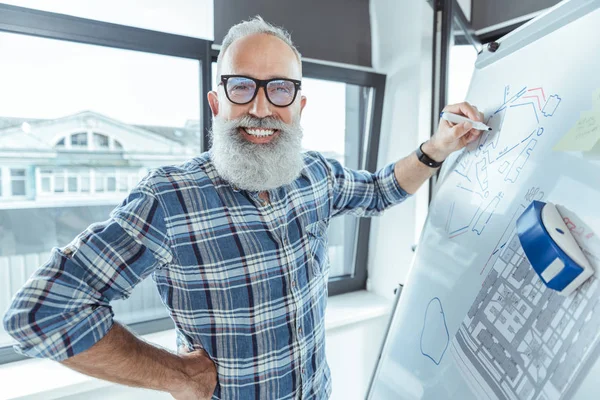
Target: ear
x=302 y=103
x=213 y=102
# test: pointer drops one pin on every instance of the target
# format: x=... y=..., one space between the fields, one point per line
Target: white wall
x=402 y=44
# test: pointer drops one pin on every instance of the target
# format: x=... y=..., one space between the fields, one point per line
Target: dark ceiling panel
x=332 y=30
x=492 y=12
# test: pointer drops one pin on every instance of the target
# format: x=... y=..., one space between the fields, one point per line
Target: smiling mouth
x=257 y=132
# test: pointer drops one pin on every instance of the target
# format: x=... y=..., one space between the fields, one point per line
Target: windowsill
x=52 y=380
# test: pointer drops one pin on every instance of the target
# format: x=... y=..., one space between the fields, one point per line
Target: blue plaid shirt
x=244 y=279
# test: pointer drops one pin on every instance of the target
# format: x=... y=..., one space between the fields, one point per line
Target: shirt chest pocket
x=317 y=244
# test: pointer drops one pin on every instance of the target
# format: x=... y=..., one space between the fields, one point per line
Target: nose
x=260 y=106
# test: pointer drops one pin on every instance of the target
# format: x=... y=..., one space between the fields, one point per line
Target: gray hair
x=255 y=26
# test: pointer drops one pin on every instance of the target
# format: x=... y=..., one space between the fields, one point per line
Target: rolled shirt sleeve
x=64 y=307
x=361 y=192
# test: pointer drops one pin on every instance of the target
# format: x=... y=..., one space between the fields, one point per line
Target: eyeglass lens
x=241 y=90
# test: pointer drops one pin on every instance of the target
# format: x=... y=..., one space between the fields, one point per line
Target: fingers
x=464 y=109
x=460 y=130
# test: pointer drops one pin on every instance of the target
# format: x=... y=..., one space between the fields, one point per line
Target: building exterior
x=84 y=159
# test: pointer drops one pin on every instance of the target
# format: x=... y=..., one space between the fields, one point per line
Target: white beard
x=256 y=167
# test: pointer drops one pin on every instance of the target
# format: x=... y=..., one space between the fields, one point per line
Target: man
x=235 y=239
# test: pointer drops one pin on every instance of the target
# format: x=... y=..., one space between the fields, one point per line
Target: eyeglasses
x=243 y=89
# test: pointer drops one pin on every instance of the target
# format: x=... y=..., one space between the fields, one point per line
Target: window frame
x=30 y=22
x=17 y=178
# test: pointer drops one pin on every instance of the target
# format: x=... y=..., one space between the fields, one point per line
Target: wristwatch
x=425 y=159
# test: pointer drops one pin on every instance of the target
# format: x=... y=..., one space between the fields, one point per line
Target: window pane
x=17 y=172
x=72 y=183
x=118 y=145
x=46 y=184
x=100 y=141
x=79 y=139
x=123 y=182
x=59 y=183
x=183 y=17
x=18 y=188
x=61 y=143
x=339 y=109
x=85 y=183
x=111 y=184
x=99 y=181
x=52 y=102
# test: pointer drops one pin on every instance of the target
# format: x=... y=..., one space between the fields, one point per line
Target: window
x=123 y=182
x=100 y=182
x=59 y=182
x=111 y=183
x=72 y=183
x=100 y=141
x=79 y=140
x=334 y=108
x=85 y=181
x=72 y=190
x=17 y=182
x=46 y=179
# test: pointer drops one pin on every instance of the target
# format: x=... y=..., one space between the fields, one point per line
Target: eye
x=240 y=87
x=281 y=87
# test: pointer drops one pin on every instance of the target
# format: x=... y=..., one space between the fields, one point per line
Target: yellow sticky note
x=596 y=100
x=584 y=135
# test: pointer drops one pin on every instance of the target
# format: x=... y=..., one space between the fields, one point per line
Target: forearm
x=123 y=358
x=412 y=173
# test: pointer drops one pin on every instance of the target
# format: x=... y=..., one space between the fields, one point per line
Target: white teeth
x=260 y=132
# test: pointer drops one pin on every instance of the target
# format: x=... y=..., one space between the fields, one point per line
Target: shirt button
x=300 y=330
x=303 y=371
x=293 y=283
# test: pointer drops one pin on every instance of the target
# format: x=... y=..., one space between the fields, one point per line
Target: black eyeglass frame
x=261 y=83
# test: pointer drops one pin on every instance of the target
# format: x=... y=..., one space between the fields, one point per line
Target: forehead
x=261 y=56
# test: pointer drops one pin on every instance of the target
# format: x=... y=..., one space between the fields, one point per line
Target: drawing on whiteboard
x=498 y=158
x=434 y=336
x=482 y=176
x=504 y=239
x=551 y=105
x=535 y=94
x=532 y=104
x=486 y=215
x=456 y=226
x=521 y=340
x=535 y=193
x=520 y=162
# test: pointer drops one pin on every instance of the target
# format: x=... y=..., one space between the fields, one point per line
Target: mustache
x=248 y=121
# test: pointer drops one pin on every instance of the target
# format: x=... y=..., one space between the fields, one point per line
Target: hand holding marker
x=459 y=119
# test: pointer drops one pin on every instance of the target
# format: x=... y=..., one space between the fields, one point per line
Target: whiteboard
x=473 y=321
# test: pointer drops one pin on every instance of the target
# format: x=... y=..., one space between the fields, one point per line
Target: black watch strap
x=425 y=159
